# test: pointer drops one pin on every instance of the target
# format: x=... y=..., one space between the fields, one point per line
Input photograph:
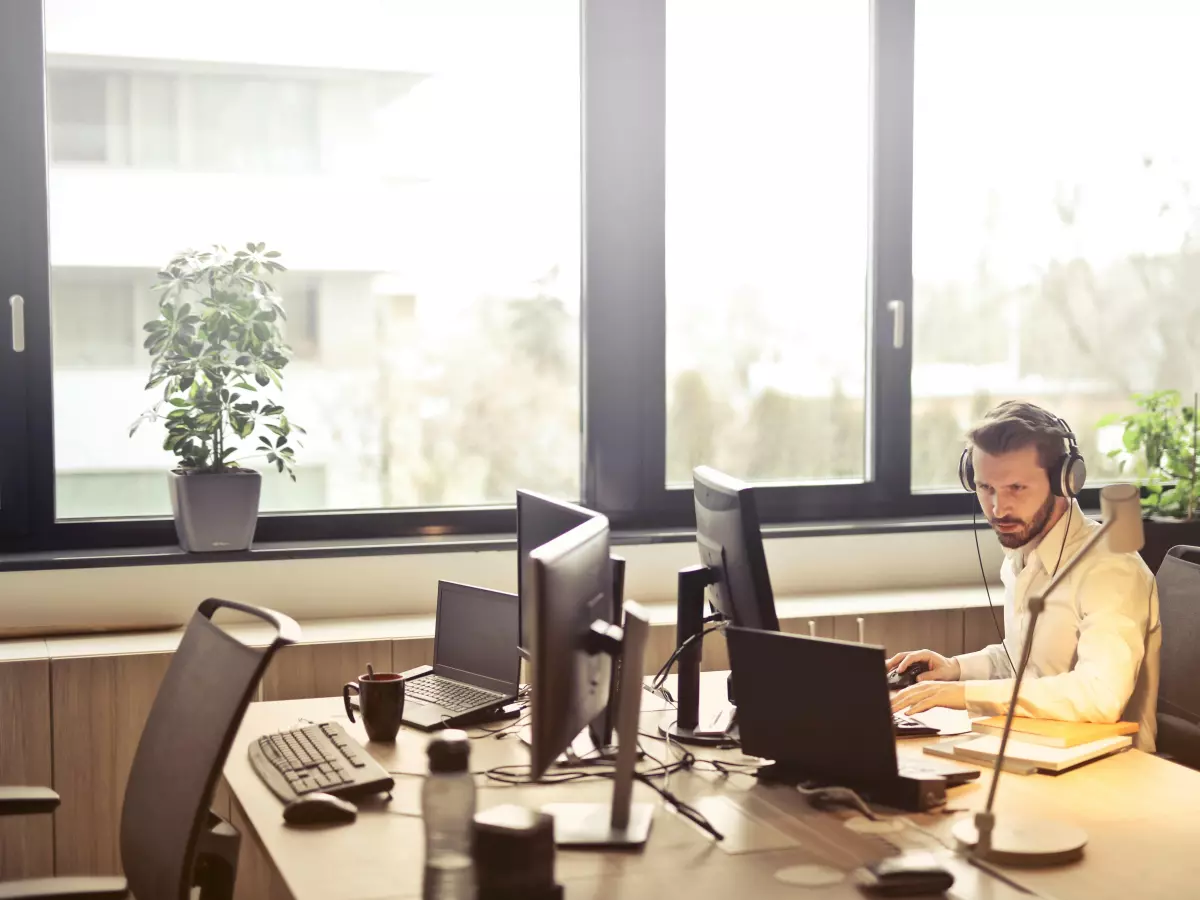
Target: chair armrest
x=25 y=800
x=106 y=888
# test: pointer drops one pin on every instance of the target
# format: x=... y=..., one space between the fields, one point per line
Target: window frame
x=623 y=312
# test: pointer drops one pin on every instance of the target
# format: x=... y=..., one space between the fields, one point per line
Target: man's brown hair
x=1015 y=425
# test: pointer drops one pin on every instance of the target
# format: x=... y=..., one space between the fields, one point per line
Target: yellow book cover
x=1052 y=733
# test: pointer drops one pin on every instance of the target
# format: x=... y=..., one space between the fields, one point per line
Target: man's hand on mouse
x=937 y=687
x=940 y=668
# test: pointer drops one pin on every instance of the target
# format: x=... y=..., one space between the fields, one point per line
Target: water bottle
x=448 y=807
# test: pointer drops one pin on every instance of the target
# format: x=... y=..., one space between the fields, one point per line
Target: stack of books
x=1037 y=745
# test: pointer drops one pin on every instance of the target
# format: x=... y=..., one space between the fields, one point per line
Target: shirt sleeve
x=990 y=662
x=1112 y=600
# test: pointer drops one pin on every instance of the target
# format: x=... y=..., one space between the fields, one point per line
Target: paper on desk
x=947 y=721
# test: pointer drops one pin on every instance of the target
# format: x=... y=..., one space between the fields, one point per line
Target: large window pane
x=767 y=189
x=416 y=163
x=1056 y=221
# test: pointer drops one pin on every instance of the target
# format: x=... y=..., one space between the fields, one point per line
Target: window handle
x=896 y=308
x=17 y=303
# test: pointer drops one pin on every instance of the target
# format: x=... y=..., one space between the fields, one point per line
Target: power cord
x=983 y=575
x=833 y=794
x=661 y=676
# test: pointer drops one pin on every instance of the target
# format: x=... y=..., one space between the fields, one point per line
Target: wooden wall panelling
x=938 y=629
x=257 y=878
x=979 y=629
x=659 y=646
x=222 y=802
x=100 y=707
x=823 y=626
x=319 y=670
x=26 y=842
x=410 y=653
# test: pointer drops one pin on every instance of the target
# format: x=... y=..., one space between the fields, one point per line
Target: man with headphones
x=1095 y=655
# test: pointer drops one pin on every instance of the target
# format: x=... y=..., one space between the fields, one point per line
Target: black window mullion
x=23 y=266
x=889 y=333
x=624 y=304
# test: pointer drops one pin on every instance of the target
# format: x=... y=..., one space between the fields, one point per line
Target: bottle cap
x=450 y=751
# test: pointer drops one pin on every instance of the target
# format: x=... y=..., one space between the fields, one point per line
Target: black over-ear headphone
x=1067 y=475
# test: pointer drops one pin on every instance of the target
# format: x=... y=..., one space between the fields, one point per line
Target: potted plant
x=1160 y=445
x=216 y=342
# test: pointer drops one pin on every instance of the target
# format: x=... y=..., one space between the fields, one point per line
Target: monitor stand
x=621 y=823
x=683 y=723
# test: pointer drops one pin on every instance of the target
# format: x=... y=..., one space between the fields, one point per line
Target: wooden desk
x=1141 y=813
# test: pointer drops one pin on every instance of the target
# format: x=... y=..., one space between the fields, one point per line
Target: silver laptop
x=476 y=663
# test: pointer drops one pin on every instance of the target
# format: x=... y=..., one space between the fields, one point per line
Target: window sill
x=173 y=555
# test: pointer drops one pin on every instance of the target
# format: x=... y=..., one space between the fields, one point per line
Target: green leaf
x=179 y=401
x=272 y=254
x=279 y=443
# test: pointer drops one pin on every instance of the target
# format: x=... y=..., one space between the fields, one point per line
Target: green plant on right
x=1160 y=445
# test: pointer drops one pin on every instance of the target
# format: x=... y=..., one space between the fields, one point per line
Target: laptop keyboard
x=453 y=695
x=903 y=725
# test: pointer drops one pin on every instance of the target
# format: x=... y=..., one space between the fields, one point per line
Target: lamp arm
x=984 y=821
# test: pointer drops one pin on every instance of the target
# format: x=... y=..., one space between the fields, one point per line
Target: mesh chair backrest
x=1179 y=688
x=191 y=725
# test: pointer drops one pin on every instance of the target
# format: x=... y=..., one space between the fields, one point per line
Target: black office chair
x=1179 y=687
x=170 y=840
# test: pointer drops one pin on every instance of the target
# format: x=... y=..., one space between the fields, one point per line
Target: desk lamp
x=1013 y=840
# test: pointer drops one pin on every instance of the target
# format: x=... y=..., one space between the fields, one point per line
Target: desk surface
x=1140 y=813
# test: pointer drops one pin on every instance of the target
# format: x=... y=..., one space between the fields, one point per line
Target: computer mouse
x=898 y=680
x=908 y=875
x=319 y=809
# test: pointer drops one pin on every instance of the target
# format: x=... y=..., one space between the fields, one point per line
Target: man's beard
x=1030 y=530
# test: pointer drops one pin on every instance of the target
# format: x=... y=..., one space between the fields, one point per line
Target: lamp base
x=1025 y=842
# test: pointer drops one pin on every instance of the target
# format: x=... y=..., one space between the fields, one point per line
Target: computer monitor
x=573 y=646
x=540 y=519
x=733 y=575
x=730 y=542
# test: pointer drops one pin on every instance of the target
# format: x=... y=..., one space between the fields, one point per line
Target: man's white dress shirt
x=1089 y=661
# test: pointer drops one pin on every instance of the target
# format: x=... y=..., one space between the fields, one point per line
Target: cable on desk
x=399 y=812
x=519 y=774
x=503 y=731
x=836 y=794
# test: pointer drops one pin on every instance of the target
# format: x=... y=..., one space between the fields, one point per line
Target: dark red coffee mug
x=380 y=704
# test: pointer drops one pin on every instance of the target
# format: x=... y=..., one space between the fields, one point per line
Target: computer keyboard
x=907 y=726
x=453 y=695
x=317 y=758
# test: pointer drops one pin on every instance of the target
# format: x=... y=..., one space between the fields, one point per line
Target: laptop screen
x=475 y=638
